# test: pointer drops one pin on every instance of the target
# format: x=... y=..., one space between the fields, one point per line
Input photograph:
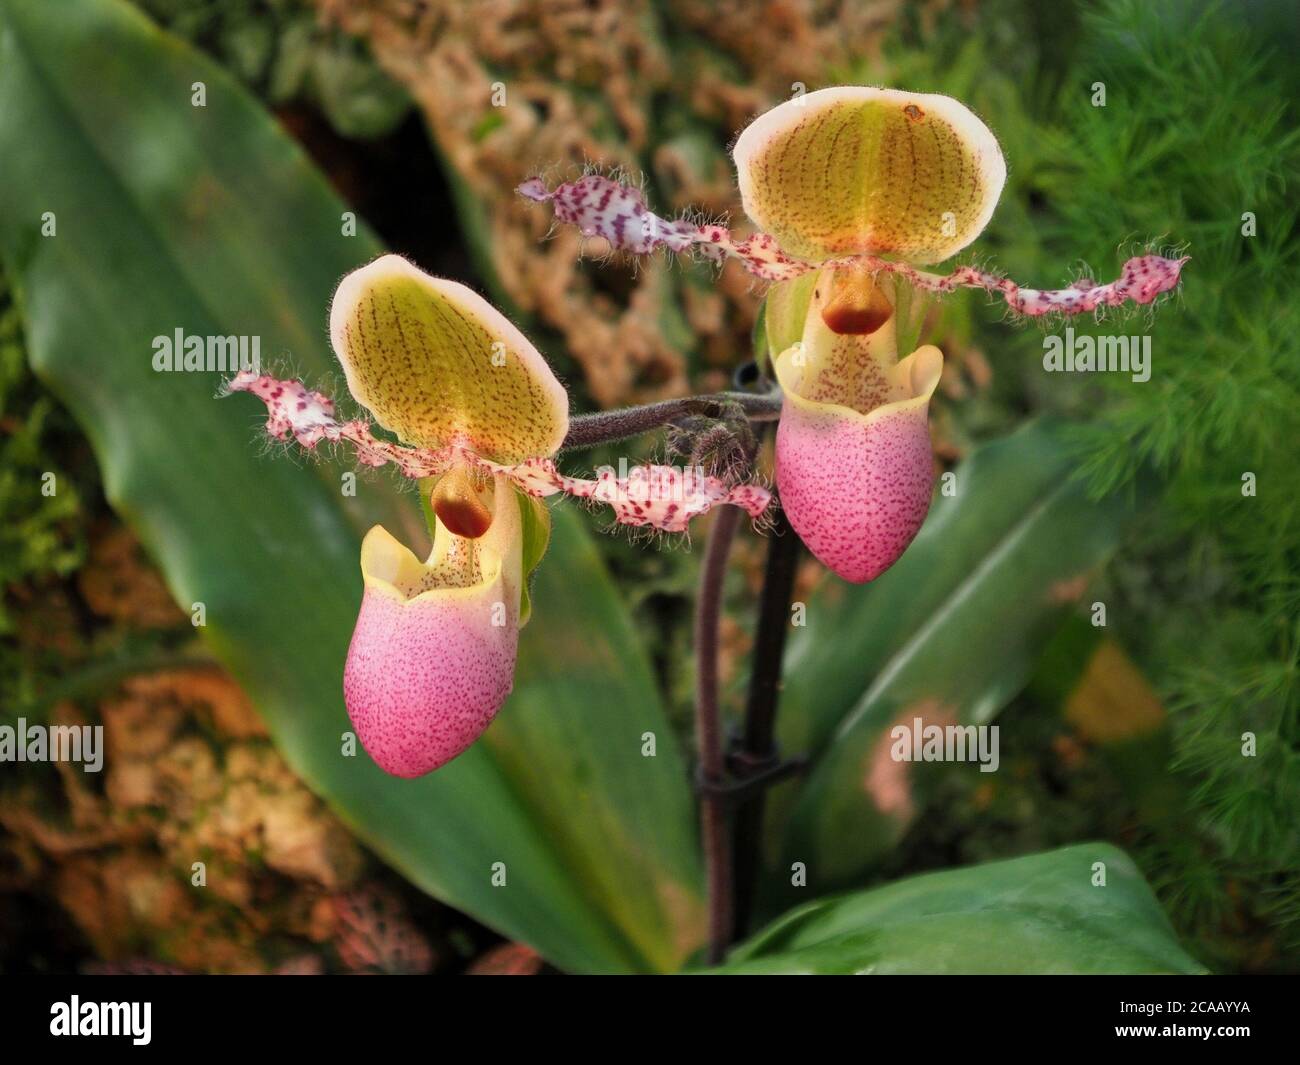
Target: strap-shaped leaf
x=950 y=633
x=211 y=220
x=1081 y=909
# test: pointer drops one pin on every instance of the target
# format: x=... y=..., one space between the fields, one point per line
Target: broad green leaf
x=1042 y=914
x=171 y=216
x=949 y=634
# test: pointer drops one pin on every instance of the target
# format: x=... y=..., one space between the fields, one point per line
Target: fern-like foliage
x=1197 y=145
x=1200 y=138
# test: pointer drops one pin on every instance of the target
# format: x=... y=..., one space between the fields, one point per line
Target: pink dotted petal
x=423 y=680
x=661 y=497
x=856 y=487
x=433 y=652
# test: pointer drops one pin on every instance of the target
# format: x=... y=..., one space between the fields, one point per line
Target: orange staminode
x=857 y=305
x=462 y=499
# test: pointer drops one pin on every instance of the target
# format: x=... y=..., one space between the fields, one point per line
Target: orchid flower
x=853 y=190
x=480 y=416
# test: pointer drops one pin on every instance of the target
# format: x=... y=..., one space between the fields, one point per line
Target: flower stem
x=610 y=426
x=714 y=816
x=756 y=751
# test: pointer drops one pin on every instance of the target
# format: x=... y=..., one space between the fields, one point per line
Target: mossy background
x=1131 y=733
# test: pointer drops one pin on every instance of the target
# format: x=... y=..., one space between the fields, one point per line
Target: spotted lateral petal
x=1141 y=280
x=438 y=365
x=659 y=497
x=601 y=207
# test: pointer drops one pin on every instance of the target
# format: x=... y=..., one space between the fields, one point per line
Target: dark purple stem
x=708 y=733
x=756 y=752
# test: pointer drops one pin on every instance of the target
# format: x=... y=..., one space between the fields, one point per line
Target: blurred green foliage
x=1217 y=613
x=279 y=49
x=40 y=535
x=949 y=634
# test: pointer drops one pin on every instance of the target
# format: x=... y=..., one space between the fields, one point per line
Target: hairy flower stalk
x=715 y=819
x=612 y=426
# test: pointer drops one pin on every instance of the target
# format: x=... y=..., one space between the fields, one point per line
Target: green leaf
x=1041 y=914
x=784 y=309
x=536 y=519
x=950 y=634
x=360 y=100
x=910 y=308
x=209 y=220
